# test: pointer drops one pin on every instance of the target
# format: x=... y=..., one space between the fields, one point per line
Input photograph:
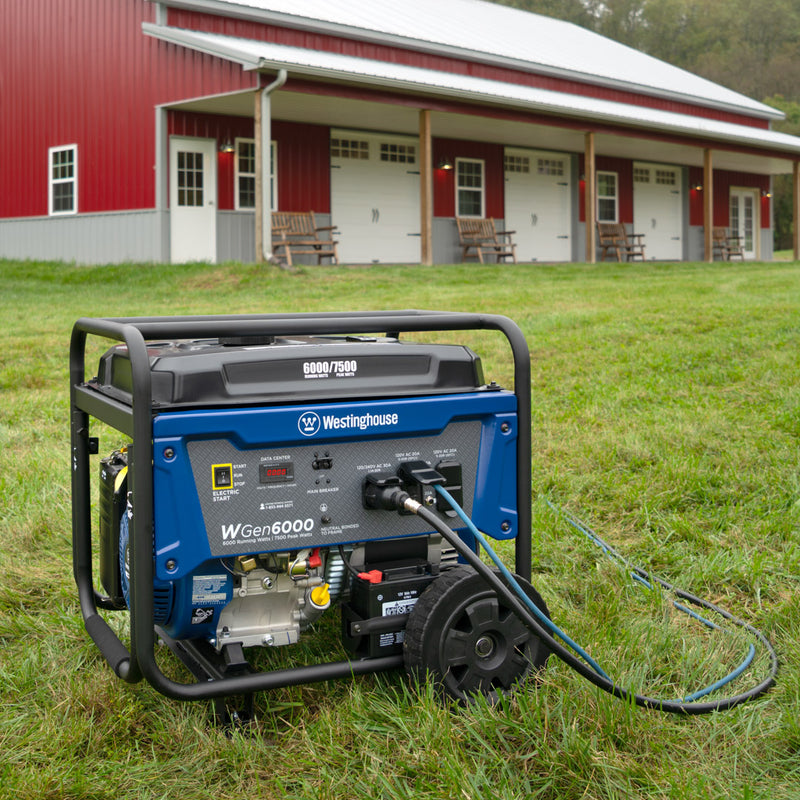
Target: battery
x=374 y=621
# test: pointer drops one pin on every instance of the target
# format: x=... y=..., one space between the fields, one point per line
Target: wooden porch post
x=590 y=197
x=708 y=205
x=426 y=187
x=796 y=209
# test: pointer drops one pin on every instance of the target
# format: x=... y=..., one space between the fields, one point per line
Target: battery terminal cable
x=394 y=496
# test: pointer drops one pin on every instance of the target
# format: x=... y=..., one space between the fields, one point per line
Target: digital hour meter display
x=276 y=473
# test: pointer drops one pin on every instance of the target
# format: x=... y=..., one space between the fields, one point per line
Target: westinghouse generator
x=249 y=493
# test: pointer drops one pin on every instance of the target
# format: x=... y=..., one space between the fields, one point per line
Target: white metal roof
x=252 y=54
x=493 y=33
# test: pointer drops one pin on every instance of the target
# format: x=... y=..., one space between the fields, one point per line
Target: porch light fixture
x=445 y=163
x=698 y=187
x=766 y=193
x=227 y=146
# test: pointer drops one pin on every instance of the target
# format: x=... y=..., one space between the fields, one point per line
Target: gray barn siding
x=767 y=243
x=85 y=238
x=445 y=241
x=113 y=238
x=695 y=246
x=236 y=236
x=143 y=236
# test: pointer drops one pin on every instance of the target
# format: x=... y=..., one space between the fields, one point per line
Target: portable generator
x=248 y=494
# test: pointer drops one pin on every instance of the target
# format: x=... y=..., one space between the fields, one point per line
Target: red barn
x=156 y=131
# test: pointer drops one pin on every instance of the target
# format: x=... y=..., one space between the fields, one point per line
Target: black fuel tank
x=210 y=372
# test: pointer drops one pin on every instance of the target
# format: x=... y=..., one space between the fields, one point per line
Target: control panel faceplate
x=265 y=479
x=292 y=497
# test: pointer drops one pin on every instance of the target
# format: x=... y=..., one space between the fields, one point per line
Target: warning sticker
x=398 y=607
x=209 y=590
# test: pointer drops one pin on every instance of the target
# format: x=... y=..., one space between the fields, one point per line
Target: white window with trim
x=245 y=175
x=470 y=188
x=62 y=171
x=607 y=197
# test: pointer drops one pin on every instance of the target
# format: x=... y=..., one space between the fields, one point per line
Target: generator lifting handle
x=136 y=420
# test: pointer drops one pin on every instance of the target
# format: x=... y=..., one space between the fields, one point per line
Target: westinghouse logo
x=309 y=423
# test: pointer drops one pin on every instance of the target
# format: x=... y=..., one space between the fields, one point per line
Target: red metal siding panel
x=766 y=216
x=80 y=82
x=82 y=72
x=696 y=196
x=304 y=169
x=335 y=44
x=444 y=188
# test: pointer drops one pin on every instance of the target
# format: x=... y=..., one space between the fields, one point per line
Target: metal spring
x=335 y=573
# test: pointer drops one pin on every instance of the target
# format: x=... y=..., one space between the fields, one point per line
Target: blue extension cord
x=637 y=574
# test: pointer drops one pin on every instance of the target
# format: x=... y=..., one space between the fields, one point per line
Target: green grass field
x=666 y=414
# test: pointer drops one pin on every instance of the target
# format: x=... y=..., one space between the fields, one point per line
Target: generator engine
x=247 y=497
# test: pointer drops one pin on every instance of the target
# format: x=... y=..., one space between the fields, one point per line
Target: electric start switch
x=222 y=476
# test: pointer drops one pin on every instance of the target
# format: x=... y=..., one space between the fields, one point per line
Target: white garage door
x=375 y=197
x=538 y=207
x=658 y=210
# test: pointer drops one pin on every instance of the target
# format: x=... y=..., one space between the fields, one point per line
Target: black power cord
x=393 y=496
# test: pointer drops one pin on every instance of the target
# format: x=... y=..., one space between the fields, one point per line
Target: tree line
x=750 y=46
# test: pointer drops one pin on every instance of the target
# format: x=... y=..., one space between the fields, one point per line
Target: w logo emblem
x=309 y=423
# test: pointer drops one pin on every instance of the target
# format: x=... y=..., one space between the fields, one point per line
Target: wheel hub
x=484 y=647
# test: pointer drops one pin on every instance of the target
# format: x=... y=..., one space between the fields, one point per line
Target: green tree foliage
x=750 y=46
x=570 y=10
x=782 y=184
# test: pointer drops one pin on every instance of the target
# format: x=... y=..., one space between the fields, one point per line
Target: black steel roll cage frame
x=137 y=661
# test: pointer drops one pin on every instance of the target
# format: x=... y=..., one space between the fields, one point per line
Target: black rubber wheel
x=468 y=641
